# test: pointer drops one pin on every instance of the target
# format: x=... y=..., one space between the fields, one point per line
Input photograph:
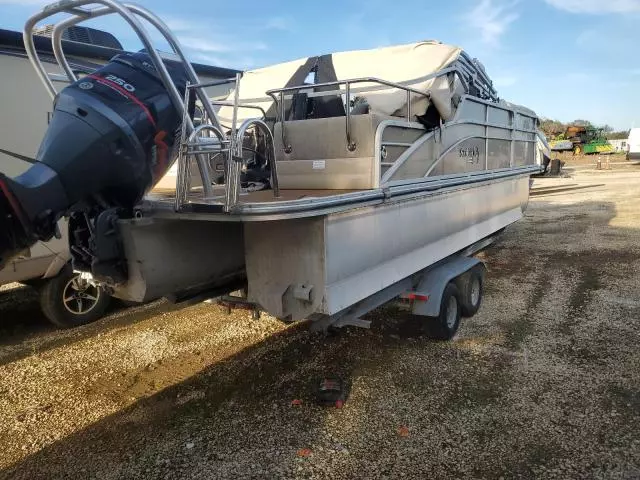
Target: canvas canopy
x=255 y=83
x=414 y=65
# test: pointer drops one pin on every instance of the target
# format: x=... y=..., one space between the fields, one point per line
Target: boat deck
x=162 y=202
x=260 y=196
x=294 y=203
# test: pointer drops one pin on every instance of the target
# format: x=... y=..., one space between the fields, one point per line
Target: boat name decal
x=470 y=153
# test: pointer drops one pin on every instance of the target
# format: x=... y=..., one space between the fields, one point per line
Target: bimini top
x=444 y=72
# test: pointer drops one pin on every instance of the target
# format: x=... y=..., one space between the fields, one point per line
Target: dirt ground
x=589 y=160
x=544 y=382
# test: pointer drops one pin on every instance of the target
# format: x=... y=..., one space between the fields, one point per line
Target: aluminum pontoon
x=315 y=194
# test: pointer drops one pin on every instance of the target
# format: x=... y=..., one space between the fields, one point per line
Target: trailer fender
x=427 y=295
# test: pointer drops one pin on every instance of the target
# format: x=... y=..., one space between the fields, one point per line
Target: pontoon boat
x=324 y=181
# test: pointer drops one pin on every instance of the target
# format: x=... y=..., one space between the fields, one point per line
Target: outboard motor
x=111 y=138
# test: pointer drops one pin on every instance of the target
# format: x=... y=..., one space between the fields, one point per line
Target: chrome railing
x=192 y=141
x=278 y=96
x=196 y=141
x=231 y=146
x=131 y=14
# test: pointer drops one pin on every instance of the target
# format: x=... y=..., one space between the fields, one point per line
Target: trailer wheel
x=471 y=287
x=445 y=325
x=68 y=302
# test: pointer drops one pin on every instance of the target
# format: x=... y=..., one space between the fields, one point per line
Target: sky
x=565 y=59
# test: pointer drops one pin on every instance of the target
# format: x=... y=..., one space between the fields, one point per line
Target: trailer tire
x=34 y=283
x=67 y=313
x=471 y=287
x=445 y=325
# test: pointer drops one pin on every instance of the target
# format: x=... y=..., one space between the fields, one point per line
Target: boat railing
x=225 y=103
x=210 y=136
x=132 y=14
x=278 y=96
x=195 y=141
x=230 y=145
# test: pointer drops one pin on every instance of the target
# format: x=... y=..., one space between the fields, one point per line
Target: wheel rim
x=475 y=292
x=79 y=296
x=452 y=312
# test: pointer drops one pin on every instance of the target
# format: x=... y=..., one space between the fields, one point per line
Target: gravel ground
x=544 y=382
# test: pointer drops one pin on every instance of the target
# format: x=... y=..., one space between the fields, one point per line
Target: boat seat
x=319 y=157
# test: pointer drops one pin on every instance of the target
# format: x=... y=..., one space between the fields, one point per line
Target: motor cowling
x=111 y=137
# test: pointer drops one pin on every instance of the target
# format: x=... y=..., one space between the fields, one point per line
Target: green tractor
x=588 y=140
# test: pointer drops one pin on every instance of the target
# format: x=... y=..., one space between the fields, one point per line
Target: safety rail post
x=285 y=144
x=271 y=158
x=351 y=146
x=234 y=160
x=184 y=170
x=486 y=137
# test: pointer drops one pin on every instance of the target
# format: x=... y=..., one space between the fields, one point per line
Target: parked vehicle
x=633 y=144
x=585 y=140
x=67 y=299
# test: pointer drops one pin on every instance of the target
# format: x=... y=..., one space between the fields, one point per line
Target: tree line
x=554 y=129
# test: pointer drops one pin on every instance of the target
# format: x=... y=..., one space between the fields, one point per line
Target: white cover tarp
x=404 y=64
x=253 y=86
